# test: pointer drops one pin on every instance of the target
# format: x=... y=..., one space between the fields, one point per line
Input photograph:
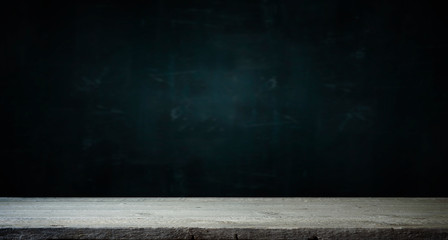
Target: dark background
x=223 y=98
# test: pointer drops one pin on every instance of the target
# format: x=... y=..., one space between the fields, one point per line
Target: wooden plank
x=223 y=218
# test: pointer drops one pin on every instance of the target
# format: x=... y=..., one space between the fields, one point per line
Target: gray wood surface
x=223 y=218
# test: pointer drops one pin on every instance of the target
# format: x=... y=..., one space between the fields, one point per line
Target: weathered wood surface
x=223 y=218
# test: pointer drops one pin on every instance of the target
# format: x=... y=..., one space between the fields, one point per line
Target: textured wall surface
x=224 y=98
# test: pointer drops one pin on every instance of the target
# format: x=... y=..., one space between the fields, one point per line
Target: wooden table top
x=225 y=218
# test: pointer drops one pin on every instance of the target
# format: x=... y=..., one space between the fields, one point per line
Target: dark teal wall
x=224 y=98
